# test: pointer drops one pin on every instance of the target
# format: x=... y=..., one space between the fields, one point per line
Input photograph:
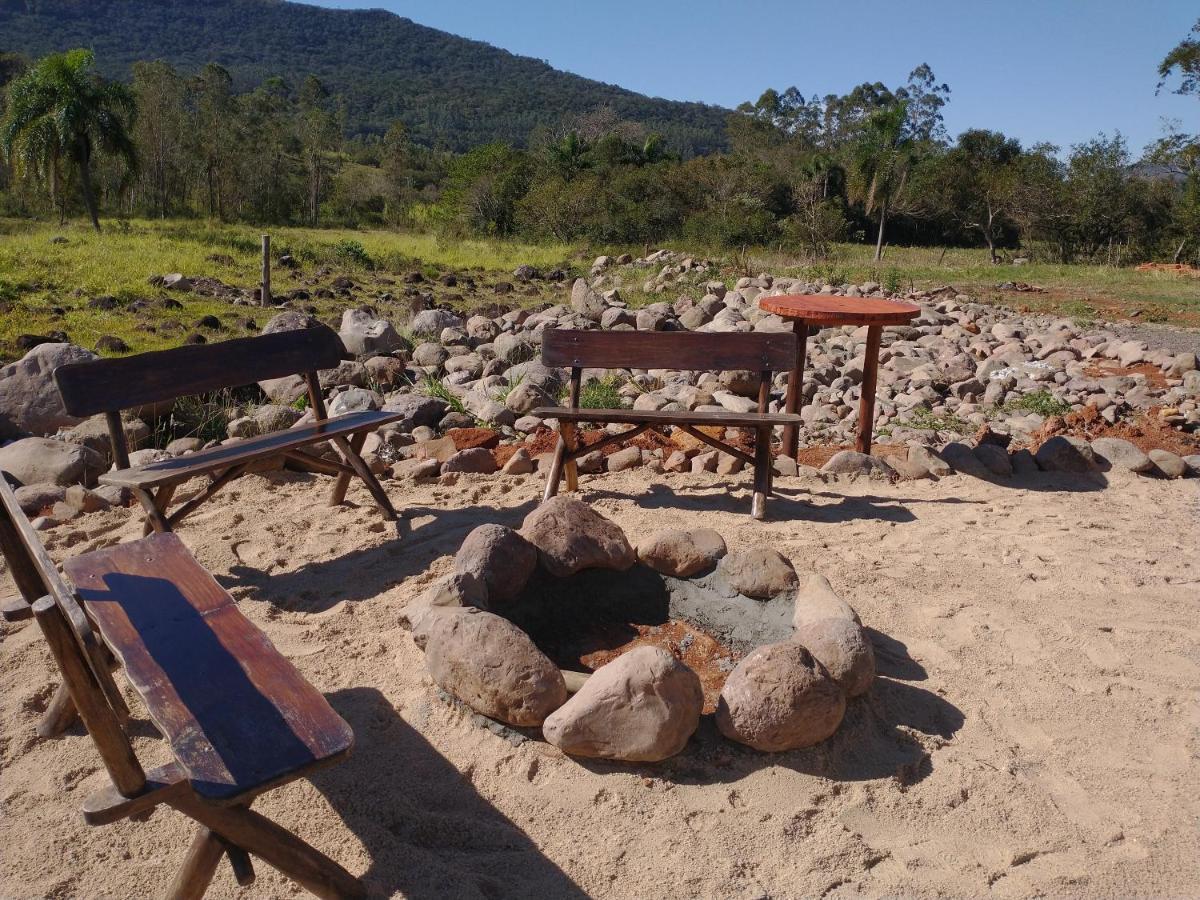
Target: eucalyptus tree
x=59 y=115
x=883 y=157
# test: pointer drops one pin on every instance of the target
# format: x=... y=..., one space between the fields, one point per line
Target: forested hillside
x=450 y=92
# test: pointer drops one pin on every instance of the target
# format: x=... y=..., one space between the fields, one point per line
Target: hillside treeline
x=801 y=173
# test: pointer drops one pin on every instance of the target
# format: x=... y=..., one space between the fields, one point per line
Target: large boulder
x=429 y=323
x=39 y=460
x=417 y=409
x=1063 y=453
x=681 y=554
x=493 y=666
x=641 y=707
x=816 y=600
x=290 y=320
x=29 y=398
x=780 y=698
x=585 y=301
x=851 y=462
x=841 y=645
x=1121 y=454
x=760 y=573
x=365 y=334
x=571 y=536
x=500 y=558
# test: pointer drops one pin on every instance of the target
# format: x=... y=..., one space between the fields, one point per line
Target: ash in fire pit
x=646 y=641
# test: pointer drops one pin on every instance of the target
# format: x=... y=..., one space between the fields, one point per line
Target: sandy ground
x=1033 y=731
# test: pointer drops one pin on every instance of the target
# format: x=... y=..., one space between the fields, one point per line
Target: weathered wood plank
x=181 y=468
x=109 y=385
x=685 y=350
x=665 y=417
x=238 y=716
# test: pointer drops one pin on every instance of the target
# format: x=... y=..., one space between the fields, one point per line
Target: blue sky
x=1055 y=70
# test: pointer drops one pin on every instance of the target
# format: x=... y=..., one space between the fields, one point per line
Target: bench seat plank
x=181 y=468
x=665 y=417
x=238 y=716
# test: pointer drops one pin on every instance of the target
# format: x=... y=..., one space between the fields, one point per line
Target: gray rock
x=625 y=458
x=994 y=458
x=38 y=460
x=1168 y=463
x=365 y=334
x=1121 y=454
x=29 y=398
x=780 y=698
x=1063 y=453
x=962 y=459
x=417 y=409
x=274 y=417
x=33 y=498
x=682 y=554
x=477 y=460
x=850 y=462
x=429 y=354
x=429 y=323
x=514 y=347
x=760 y=573
x=492 y=666
x=922 y=456
x=518 y=464
x=290 y=320
x=354 y=399
x=571 y=536
x=641 y=707
x=585 y=301
x=501 y=559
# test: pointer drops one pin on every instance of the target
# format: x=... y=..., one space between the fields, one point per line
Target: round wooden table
x=812 y=312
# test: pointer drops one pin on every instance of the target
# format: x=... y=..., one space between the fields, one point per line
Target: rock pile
x=958 y=368
x=645 y=704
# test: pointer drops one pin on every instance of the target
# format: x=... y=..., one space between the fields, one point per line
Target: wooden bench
x=577 y=350
x=109 y=386
x=237 y=716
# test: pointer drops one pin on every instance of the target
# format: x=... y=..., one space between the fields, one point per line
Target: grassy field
x=48 y=273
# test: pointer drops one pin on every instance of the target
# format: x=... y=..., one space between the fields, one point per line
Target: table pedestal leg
x=795 y=390
x=866 y=401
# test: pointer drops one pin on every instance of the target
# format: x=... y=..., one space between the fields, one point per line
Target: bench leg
x=762 y=473
x=338 y=495
x=155 y=506
x=363 y=471
x=556 y=466
x=199 y=866
x=570 y=466
x=277 y=846
x=59 y=715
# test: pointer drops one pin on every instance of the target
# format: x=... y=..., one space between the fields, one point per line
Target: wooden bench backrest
x=689 y=351
x=111 y=385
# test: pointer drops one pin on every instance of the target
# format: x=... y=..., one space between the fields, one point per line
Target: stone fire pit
x=617 y=652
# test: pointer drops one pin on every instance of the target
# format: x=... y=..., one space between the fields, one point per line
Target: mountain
x=448 y=90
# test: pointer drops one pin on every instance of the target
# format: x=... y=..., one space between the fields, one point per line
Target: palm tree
x=59 y=114
x=883 y=157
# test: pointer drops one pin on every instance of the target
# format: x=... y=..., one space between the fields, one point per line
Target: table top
x=827 y=310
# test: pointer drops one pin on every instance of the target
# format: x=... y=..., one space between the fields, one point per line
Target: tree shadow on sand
x=366 y=573
x=431 y=834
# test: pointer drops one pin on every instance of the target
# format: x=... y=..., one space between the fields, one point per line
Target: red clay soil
x=1146 y=432
x=702 y=654
x=1108 y=368
x=466 y=438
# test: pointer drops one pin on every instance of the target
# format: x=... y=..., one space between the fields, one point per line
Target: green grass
x=1041 y=402
x=433 y=387
x=922 y=418
x=602 y=394
x=37 y=274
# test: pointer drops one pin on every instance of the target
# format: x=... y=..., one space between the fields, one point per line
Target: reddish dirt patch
x=700 y=651
x=1146 y=432
x=466 y=438
x=1109 y=368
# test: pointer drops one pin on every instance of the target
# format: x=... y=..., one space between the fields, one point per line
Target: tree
x=160 y=131
x=60 y=114
x=1184 y=59
x=883 y=157
x=975 y=182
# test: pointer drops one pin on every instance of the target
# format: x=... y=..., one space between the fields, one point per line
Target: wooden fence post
x=265 y=294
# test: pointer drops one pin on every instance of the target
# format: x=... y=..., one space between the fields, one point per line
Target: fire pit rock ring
x=616 y=651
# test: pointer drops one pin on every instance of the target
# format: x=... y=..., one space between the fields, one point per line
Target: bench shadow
x=433 y=835
x=364 y=574
x=785 y=504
